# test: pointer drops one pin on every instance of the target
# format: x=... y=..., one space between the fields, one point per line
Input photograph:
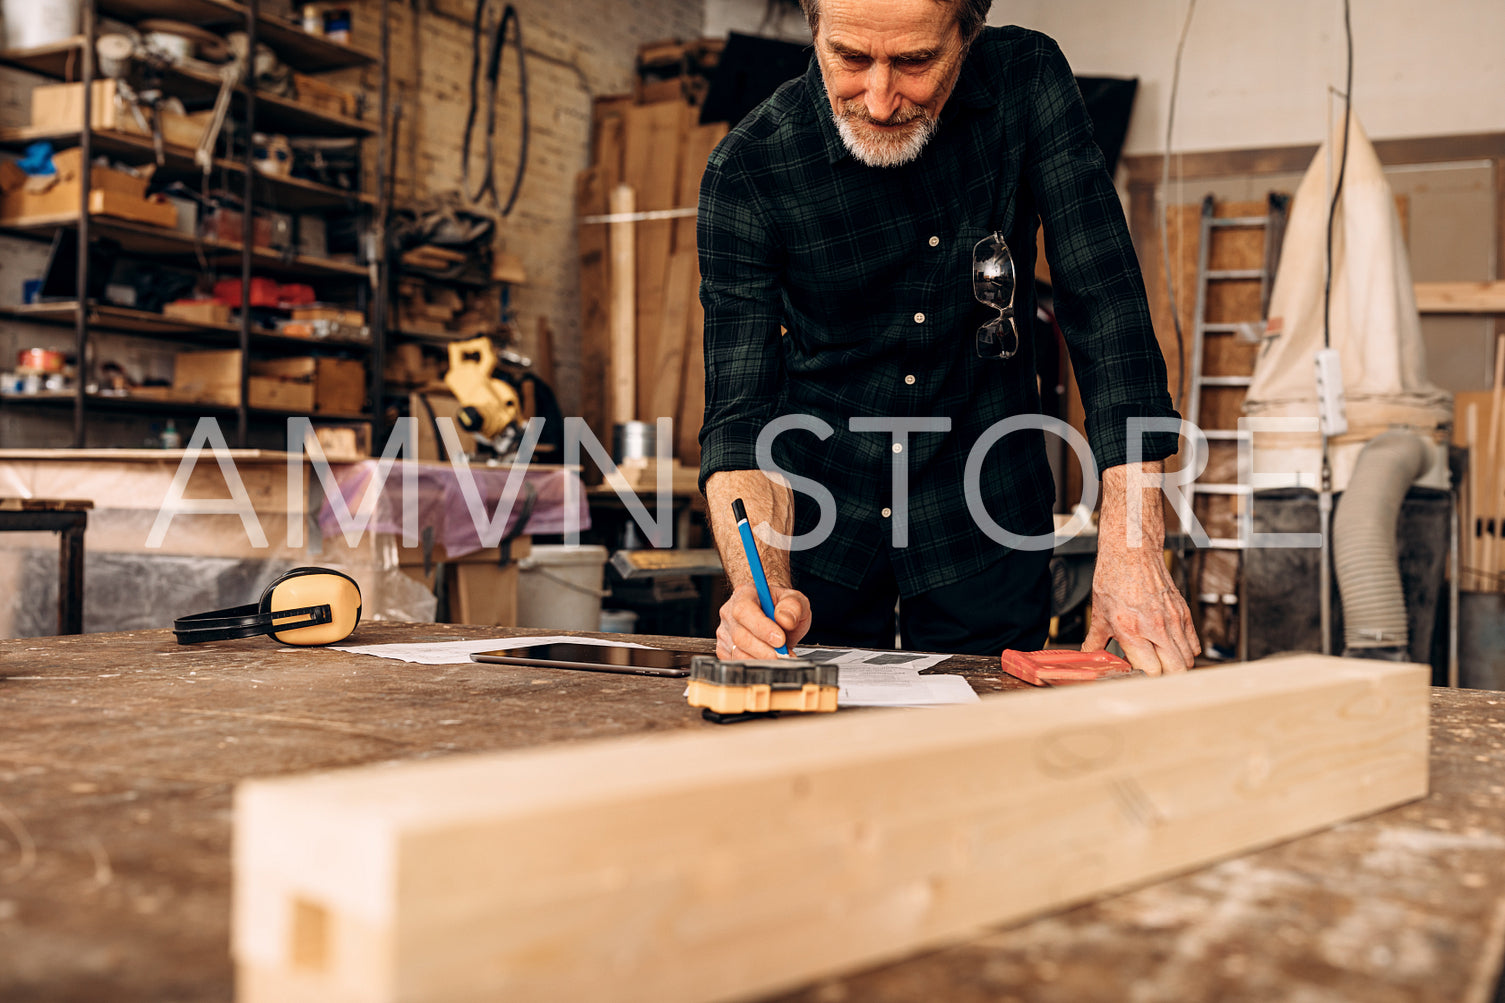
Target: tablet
x=595 y=658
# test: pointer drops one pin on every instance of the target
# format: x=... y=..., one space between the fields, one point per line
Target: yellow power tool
x=489 y=407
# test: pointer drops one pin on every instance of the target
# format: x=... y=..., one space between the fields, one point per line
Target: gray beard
x=890 y=151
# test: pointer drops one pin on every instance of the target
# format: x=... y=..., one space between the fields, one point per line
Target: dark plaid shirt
x=869 y=269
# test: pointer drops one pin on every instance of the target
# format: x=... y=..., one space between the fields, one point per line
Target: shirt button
x=919 y=318
x=909 y=379
x=887 y=512
x=898 y=447
x=935 y=242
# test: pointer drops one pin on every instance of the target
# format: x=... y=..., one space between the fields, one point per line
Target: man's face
x=888 y=66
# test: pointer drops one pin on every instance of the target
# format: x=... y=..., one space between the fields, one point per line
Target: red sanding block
x=1064 y=666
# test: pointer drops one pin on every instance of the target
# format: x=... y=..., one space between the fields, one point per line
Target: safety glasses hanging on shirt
x=993 y=285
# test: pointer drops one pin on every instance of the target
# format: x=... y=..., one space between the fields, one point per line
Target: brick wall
x=576 y=50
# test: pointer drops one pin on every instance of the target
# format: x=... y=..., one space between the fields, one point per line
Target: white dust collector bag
x=1374 y=323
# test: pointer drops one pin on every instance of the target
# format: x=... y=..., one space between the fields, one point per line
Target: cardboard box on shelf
x=277 y=394
x=208 y=377
x=62 y=106
x=325 y=97
x=198 y=311
x=68 y=164
x=213 y=377
x=111 y=193
x=339 y=385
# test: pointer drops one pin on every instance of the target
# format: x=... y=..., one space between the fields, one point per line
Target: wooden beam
x=1461 y=297
x=623 y=270
x=699 y=144
x=724 y=864
x=669 y=347
x=651 y=161
x=592 y=197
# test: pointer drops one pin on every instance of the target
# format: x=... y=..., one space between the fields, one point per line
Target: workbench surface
x=119 y=753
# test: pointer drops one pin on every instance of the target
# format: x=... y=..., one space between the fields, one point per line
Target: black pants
x=1005 y=606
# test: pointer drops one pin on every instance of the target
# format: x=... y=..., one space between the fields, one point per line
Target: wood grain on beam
x=621 y=239
x=722 y=864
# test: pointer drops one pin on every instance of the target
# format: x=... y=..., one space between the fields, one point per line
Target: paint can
x=633 y=440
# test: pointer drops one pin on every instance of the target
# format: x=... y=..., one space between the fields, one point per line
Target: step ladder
x=1218 y=566
x=1273 y=225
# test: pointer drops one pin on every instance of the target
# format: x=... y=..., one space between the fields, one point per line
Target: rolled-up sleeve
x=740 y=264
x=1095 y=277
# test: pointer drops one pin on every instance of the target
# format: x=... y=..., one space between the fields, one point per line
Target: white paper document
x=459 y=652
x=871 y=678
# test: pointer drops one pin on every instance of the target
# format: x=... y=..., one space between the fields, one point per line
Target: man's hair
x=971 y=15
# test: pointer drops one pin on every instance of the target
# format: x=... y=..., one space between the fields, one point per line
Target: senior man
x=866 y=343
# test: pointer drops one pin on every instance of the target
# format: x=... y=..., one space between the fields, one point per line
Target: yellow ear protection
x=305 y=606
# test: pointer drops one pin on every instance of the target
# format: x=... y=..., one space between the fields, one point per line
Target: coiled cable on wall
x=492 y=44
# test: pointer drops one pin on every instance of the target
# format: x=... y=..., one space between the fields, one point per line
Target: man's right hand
x=746 y=633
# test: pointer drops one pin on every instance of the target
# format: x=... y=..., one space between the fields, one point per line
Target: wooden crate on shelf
x=53 y=198
x=300 y=383
x=62 y=106
x=339 y=385
x=276 y=393
x=202 y=311
x=324 y=97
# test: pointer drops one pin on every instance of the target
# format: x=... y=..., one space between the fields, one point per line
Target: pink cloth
x=442 y=504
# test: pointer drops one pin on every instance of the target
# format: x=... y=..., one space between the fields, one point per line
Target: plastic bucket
x=560 y=587
x=618 y=621
x=29 y=23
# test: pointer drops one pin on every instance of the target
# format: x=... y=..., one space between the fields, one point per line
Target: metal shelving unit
x=73 y=60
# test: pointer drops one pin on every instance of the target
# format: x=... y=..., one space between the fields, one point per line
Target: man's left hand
x=1135 y=602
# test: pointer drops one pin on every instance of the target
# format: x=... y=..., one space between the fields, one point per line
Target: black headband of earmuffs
x=256 y=618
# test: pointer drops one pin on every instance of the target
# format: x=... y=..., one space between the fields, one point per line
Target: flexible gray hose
x=1374 y=606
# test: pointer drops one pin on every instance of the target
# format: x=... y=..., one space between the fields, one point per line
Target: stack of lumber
x=1479 y=425
x=641 y=319
x=442 y=311
x=676 y=70
x=431 y=257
